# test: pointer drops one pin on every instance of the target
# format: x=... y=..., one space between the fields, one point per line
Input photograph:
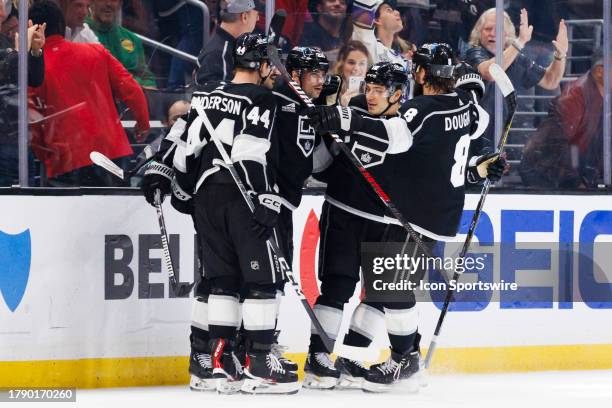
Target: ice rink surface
x=572 y=389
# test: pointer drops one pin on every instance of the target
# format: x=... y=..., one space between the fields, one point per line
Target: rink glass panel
x=566 y=148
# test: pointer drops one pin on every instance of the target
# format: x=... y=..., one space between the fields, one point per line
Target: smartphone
x=354 y=83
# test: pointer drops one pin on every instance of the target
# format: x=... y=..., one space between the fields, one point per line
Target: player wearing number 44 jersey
x=420 y=159
x=238 y=262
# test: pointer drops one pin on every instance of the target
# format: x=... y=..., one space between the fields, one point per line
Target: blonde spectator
x=524 y=73
x=353 y=62
x=482 y=53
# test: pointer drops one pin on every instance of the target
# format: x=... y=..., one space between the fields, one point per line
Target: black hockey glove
x=331 y=85
x=490 y=166
x=265 y=216
x=331 y=119
x=157 y=176
x=469 y=79
x=180 y=199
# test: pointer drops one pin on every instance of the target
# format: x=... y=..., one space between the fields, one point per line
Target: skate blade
x=315 y=382
x=348 y=382
x=199 y=384
x=259 y=386
x=407 y=386
x=225 y=386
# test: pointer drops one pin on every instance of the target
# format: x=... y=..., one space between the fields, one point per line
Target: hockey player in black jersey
x=234 y=251
x=420 y=160
x=300 y=149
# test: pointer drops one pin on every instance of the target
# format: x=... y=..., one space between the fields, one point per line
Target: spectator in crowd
x=77 y=29
x=378 y=30
x=352 y=64
x=175 y=111
x=327 y=29
x=9 y=56
x=77 y=100
x=181 y=26
x=215 y=60
x=121 y=42
x=522 y=71
x=544 y=17
x=9 y=91
x=574 y=123
x=10 y=25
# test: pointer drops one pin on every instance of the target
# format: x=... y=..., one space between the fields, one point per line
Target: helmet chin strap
x=265 y=78
x=389 y=104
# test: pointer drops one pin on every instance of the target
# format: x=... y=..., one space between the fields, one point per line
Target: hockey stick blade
x=107 y=164
x=369 y=354
x=179 y=289
x=501 y=79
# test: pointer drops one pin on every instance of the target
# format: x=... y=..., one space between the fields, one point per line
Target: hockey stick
x=502 y=80
x=279 y=258
x=179 y=289
x=107 y=164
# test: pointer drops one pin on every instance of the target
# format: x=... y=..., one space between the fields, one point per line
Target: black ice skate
x=352 y=373
x=279 y=350
x=226 y=369
x=200 y=368
x=264 y=374
x=398 y=371
x=319 y=372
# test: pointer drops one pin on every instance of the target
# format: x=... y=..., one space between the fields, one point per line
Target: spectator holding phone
x=352 y=64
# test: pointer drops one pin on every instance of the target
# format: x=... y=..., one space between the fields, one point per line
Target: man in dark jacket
x=215 y=61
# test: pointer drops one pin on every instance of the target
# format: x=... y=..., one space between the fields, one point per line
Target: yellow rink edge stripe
x=148 y=371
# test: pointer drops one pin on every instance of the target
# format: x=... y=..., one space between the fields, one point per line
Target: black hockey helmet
x=306 y=59
x=438 y=60
x=391 y=75
x=251 y=50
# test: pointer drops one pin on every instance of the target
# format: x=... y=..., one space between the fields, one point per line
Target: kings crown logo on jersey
x=305 y=136
x=366 y=158
x=16 y=254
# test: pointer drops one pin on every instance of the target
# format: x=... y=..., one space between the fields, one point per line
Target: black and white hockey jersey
x=419 y=159
x=298 y=147
x=242 y=116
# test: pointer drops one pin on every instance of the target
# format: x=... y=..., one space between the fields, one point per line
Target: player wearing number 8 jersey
x=421 y=160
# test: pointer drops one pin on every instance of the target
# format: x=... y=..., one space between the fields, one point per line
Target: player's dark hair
x=442 y=85
x=45 y=11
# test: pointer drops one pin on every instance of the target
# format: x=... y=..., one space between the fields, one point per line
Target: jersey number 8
x=461 y=153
